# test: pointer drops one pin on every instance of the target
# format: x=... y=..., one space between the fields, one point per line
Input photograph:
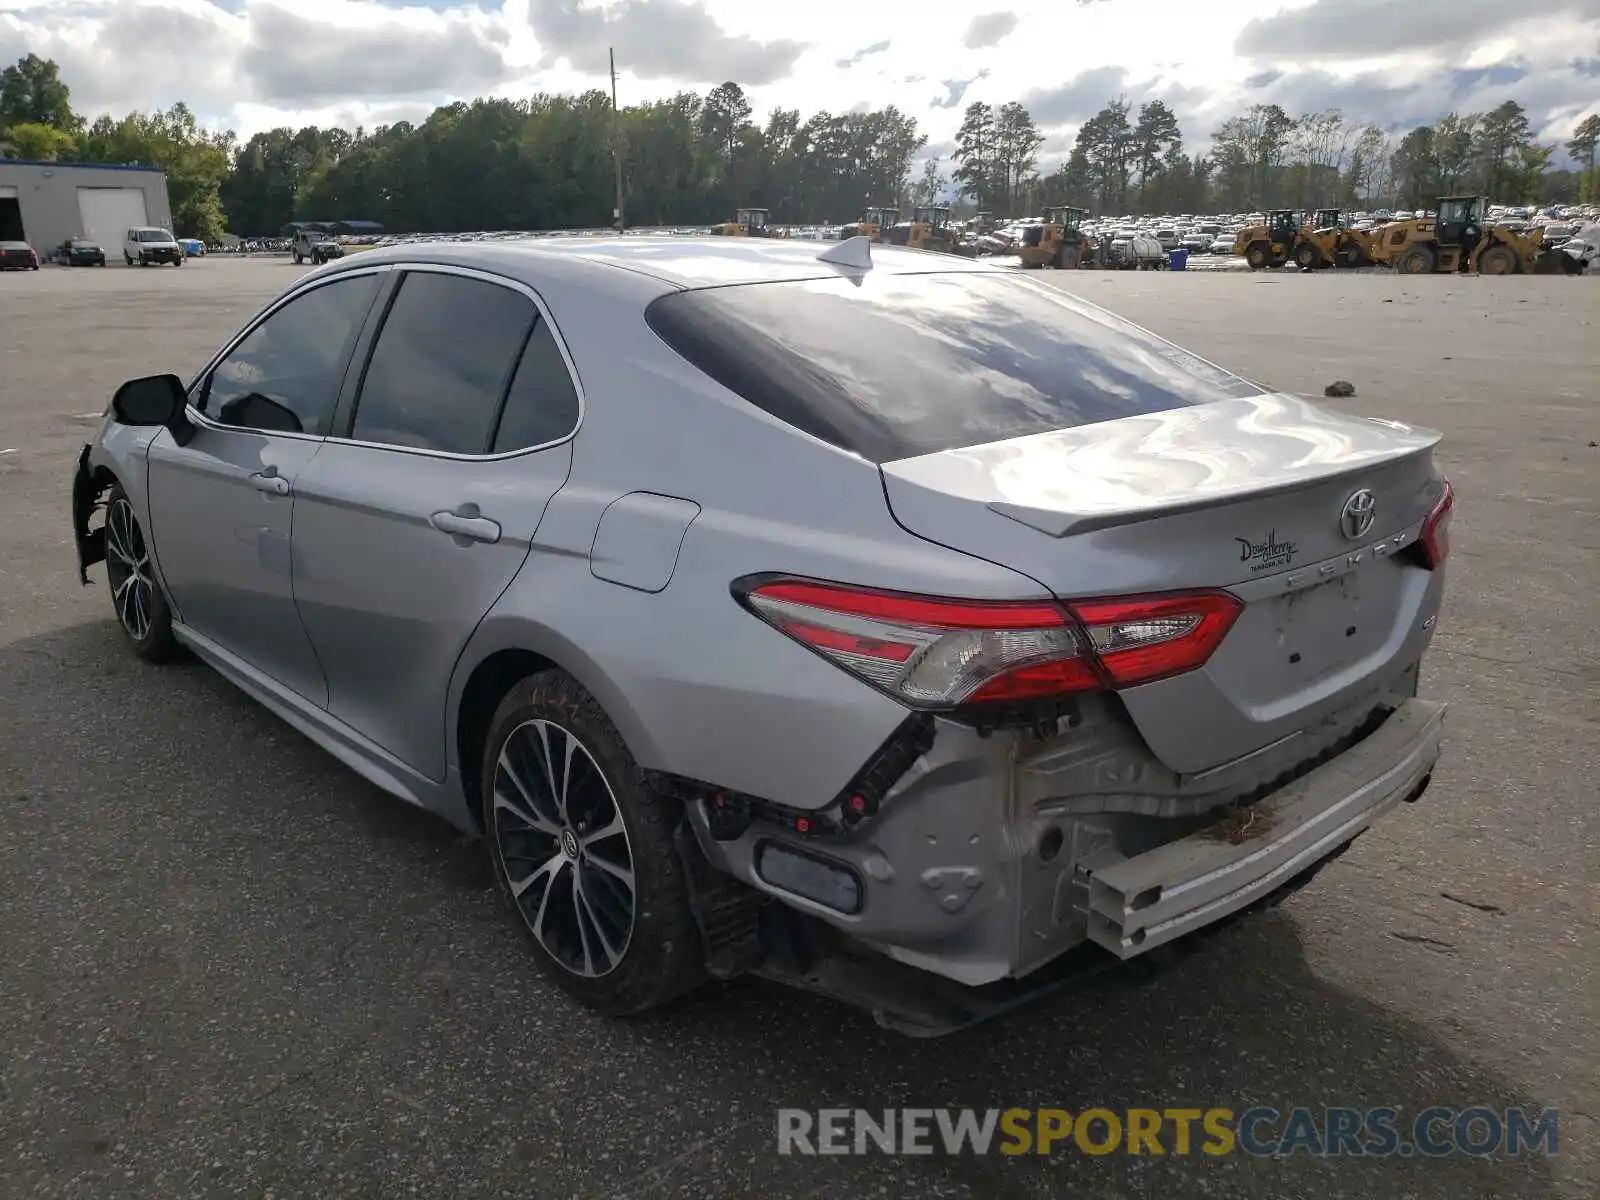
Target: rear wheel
x=583 y=851
x=1307 y=257
x=1497 y=260
x=136 y=595
x=1258 y=255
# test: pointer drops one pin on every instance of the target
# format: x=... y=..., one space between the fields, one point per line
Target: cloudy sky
x=254 y=64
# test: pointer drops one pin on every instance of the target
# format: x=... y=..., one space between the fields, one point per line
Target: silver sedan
x=859 y=617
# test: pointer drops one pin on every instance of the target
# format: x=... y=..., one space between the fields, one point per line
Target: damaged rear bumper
x=1138 y=903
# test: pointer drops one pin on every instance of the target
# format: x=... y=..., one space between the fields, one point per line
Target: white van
x=146 y=244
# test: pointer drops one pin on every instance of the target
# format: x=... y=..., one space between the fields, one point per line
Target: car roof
x=680 y=262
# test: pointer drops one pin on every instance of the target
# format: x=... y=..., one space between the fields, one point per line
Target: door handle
x=270 y=481
x=466 y=524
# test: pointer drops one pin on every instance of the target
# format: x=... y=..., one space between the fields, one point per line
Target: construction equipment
x=1459 y=239
x=1326 y=241
x=872 y=224
x=1058 y=242
x=1318 y=242
x=929 y=229
x=747 y=222
x=1269 y=245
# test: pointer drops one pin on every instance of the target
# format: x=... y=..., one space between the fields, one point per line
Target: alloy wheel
x=133 y=587
x=564 y=848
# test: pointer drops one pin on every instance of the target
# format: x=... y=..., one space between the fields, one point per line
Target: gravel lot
x=228 y=967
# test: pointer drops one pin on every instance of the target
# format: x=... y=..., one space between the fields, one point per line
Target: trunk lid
x=1255 y=495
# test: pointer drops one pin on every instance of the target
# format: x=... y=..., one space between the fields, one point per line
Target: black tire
x=1258 y=255
x=1350 y=257
x=1497 y=260
x=127 y=258
x=1307 y=257
x=297 y=258
x=139 y=605
x=660 y=955
x=1416 y=260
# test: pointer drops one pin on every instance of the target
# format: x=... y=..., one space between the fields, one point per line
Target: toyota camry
x=879 y=621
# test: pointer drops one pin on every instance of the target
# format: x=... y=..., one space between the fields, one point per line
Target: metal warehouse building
x=45 y=203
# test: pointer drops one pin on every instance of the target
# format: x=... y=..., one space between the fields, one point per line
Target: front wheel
x=127 y=258
x=1257 y=255
x=136 y=595
x=583 y=851
x=1307 y=257
x=1497 y=260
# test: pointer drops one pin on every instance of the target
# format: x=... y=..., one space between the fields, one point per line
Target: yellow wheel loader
x=872 y=224
x=929 y=229
x=1269 y=245
x=747 y=222
x=1058 y=242
x=1459 y=240
x=1326 y=242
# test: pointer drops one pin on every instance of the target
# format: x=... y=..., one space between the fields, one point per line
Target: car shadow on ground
x=219 y=939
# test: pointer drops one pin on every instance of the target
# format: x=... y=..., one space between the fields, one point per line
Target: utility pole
x=616 y=142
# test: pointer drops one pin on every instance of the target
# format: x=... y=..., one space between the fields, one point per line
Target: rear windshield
x=901 y=365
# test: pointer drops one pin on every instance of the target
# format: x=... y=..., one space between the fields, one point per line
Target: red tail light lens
x=935 y=653
x=1145 y=638
x=1434 y=541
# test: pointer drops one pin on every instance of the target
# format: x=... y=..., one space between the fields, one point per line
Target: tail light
x=936 y=653
x=1434 y=541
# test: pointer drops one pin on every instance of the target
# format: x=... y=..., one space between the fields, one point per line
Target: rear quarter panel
x=697 y=685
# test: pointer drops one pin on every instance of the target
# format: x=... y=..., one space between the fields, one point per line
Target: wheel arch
x=500 y=656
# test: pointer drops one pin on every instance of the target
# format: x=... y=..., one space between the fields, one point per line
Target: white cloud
x=252 y=64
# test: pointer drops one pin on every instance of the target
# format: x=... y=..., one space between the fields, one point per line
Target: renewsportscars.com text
x=1435 y=1132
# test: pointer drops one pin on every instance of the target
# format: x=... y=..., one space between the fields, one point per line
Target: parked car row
x=143 y=246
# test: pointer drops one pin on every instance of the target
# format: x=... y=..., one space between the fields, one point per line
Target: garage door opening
x=10 y=219
x=108 y=213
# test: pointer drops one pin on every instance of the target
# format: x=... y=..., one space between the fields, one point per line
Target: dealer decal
x=1267 y=555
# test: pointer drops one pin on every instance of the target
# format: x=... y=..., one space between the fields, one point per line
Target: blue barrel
x=1178 y=260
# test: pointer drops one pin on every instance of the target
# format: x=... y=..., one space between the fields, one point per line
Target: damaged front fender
x=86 y=493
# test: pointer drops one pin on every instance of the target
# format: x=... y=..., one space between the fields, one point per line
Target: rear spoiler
x=1165 y=463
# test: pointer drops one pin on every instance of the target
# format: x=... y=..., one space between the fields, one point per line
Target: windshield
x=902 y=365
x=151 y=235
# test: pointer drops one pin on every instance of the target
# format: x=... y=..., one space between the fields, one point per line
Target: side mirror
x=154 y=400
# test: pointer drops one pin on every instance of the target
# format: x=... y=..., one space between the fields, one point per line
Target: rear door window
x=442 y=364
x=892 y=366
x=542 y=405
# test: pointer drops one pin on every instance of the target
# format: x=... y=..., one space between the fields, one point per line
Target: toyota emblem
x=1358 y=514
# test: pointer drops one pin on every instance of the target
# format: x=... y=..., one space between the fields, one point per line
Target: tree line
x=1135 y=162
x=546 y=162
